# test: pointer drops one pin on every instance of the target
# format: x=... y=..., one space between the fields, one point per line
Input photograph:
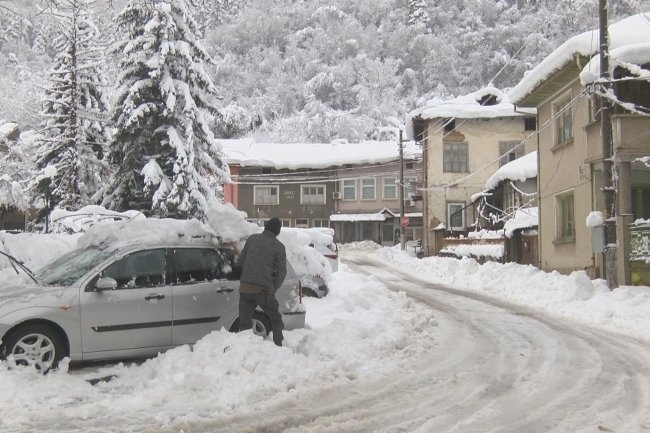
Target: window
x=368 y=189
x=530 y=123
x=349 y=189
x=312 y=194
x=267 y=194
x=320 y=222
x=195 y=265
x=390 y=188
x=455 y=216
x=302 y=223
x=641 y=202
x=455 y=158
x=563 y=123
x=418 y=131
x=138 y=270
x=594 y=108
x=410 y=187
x=564 y=217
x=450 y=125
x=286 y=222
x=509 y=151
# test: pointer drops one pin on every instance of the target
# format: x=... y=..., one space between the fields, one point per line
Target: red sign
x=405 y=221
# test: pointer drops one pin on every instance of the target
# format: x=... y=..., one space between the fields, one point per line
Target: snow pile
x=97 y=226
x=482 y=251
x=360 y=330
x=575 y=296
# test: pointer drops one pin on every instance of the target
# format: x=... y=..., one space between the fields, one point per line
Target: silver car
x=129 y=300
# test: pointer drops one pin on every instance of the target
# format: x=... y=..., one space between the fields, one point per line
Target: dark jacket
x=263 y=261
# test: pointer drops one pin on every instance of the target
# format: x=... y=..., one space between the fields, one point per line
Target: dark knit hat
x=273 y=225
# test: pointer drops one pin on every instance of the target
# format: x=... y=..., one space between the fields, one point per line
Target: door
x=387 y=235
x=137 y=315
x=206 y=295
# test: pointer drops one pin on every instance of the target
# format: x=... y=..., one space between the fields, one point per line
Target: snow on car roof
x=152 y=230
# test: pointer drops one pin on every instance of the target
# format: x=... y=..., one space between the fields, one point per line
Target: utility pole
x=402 y=228
x=609 y=188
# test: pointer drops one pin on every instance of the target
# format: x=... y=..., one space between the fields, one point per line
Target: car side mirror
x=106 y=283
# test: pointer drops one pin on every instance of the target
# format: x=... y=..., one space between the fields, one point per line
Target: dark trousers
x=267 y=302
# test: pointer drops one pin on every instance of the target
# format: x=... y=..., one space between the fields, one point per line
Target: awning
x=352 y=217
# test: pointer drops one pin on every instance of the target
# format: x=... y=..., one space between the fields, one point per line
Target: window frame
x=459 y=150
x=395 y=187
x=565 y=224
x=449 y=215
x=563 y=123
x=317 y=202
x=509 y=147
x=351 y=185
x=410 y=186
x=270 y=187
x=364 y=186
x=320 y=222
x=301 y=223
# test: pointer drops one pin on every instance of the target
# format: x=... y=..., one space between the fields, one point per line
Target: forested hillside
x=315 y=70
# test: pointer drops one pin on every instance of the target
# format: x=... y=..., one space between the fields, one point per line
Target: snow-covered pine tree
x=75 y=130
x=16 y=169
x=169 y=164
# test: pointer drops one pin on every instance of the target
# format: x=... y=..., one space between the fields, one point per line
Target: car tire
x=34 y=345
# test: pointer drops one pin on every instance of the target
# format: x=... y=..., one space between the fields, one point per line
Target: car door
x=137 y=315
x=206 y=295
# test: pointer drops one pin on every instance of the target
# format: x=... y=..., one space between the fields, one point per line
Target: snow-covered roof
x=629 y=56
x=519 y=170
x=631 y=30
x=470 y=107
x=524 y=218
x=353 y=217
x=375 y=216
x=248 y=153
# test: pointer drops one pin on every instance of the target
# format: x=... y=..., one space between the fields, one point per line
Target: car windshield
x=70 y=267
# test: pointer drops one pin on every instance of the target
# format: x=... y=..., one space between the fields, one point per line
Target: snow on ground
x=360 y=330
x=577 y=297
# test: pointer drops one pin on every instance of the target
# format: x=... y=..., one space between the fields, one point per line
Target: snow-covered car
x=331 y=253
x=129 y=299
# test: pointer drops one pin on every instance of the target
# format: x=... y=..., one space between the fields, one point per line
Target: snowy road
x=506 y=368
x=371 y=361
x=496 y=368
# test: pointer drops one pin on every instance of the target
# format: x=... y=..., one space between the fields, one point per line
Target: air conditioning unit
x=409 y=202
x=337 y=195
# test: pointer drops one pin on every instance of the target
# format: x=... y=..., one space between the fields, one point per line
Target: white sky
x=360 y=330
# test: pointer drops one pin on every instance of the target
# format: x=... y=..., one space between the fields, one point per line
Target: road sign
x=405 y=221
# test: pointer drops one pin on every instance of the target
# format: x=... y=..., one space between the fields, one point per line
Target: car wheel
x=33 y=345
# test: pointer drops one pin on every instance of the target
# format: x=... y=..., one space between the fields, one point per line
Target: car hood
x=11 y=296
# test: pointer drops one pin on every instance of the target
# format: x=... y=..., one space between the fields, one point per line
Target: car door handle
x=225 y=289
x=157 y=296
